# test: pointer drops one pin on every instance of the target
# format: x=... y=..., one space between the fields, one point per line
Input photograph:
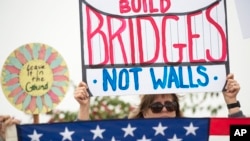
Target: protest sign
x=35 y=78
x=153 y=46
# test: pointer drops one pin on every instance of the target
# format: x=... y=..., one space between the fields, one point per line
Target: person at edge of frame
x=6 y=121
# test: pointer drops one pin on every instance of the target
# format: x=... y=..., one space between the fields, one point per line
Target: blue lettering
x=190 y=77
x=123 y=79
x=107 y=79
x=159 y=82
x=136 y=76
x=201 y=70
x=173 y=78
x=124 y=73
x=181 y=78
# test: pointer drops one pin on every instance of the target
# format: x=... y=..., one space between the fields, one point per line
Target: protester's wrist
x=239 y=113
x=2 y=136
x=84 y=107
x=233 y=110
x=230 y=100
x=83 y=113
x=2 y=139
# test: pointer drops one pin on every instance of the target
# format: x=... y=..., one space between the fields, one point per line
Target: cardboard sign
x=35 y=78
x=153 y=46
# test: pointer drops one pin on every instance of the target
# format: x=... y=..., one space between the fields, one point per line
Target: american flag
x=172 y=129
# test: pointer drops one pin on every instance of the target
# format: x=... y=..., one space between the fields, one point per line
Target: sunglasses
x=158 y=106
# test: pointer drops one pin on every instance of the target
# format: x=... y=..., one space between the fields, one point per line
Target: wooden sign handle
x=36 y=118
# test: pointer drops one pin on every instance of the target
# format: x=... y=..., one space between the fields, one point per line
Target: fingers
x=232 y=85
x=7 y=121
x=230 y=76
x=82 y=84
x=11 y=121
x=82 y=89
x=81 y=92
x=4 y=117
x=230 y=81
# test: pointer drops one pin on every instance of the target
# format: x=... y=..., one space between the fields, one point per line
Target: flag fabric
x=171 y=129
x=220 y=127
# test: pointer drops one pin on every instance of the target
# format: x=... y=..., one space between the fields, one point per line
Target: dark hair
x=146 y=100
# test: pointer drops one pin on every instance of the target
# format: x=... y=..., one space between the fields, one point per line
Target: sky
x=56 y=23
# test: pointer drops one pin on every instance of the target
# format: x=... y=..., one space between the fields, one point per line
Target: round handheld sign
x=35 y=78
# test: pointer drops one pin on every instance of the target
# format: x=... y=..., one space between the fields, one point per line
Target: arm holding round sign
x=6 y=121
x=232 y=89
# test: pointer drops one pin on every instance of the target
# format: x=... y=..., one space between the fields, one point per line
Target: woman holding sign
x=157 y=106
x=162 y=105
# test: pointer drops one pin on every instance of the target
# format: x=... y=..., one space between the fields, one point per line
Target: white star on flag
x=175 y=138
x=97 y=132
x=160 y=129
x=144 y=139
x=129 y=130
x=67 y=134
x=35 y=136
x=113 y=138
x=191 y=129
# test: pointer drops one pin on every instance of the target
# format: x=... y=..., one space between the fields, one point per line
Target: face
x=157 y=104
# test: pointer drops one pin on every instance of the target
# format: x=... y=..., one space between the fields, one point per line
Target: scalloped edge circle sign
x=35 y=78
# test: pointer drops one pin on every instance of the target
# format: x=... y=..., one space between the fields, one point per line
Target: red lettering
x=152 y=9
x=126 y=36
x=144 y=6
x=133 y=6
x=91 y=34
x=132 y=41
x=192 y=36
x=140 y=45
x=124 y=6
x=116 y=34
x=180 y=47
x=222 y=35
x=164 y=5
x=164 y=39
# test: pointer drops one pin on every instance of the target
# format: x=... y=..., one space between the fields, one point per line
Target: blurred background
x=56 y=23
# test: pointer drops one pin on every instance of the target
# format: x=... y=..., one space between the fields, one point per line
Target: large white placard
x=153 y=46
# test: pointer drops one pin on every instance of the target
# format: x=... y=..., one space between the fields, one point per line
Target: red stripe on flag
x=221 y=126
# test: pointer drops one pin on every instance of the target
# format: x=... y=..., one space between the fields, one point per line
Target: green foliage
x=199 y=102
x=107 y=107
x=62 y=116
